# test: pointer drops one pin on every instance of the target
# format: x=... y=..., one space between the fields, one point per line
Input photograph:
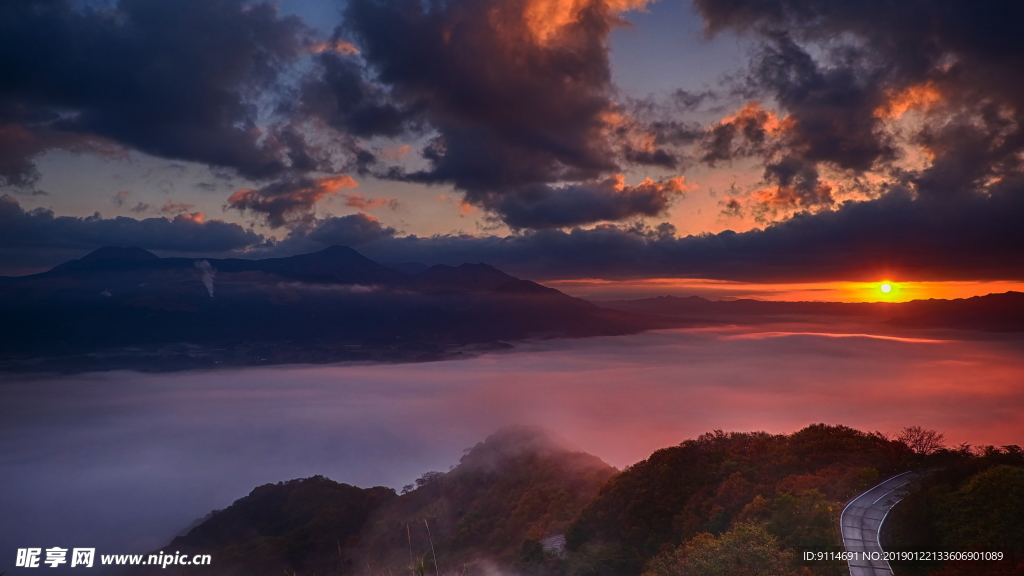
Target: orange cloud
x=783 y=199
x=918 y=97
x=545 y=18
x=289 y=201
x=671 y=186
x=749 y=131
x=364 y=203
x=196 y=217
x=464 y=207
x=754 y=115
x=171 y=207
x=337 y=46
x=395 y=154
x=332 y=184
x=629 y=134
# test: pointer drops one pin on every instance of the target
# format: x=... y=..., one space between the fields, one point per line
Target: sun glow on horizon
x=877 y=291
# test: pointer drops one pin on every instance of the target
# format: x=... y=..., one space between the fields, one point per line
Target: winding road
x=861 y=522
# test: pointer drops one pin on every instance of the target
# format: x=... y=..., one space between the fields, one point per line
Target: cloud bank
x=890 y=137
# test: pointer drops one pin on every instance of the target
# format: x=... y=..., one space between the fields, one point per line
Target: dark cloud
x=516 y=96
x=511 y=107
x=40 y=229
x=544 y=206
x=20 y=143
x=354 y=230
x=289 y=202
x=341 y=95
x=170 y=207
x=955 y=62
x=831 y=110
x=790 y=169
x=518 y=91
x=356 y=200
x=741 y=135
x=515 y=100
x=731 y=208
x=971 y=238
x=172 y=79
x=795 y=186
x=119 y=198
x=831 y=120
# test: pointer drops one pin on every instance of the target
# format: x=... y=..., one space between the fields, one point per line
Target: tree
x=531 y=553
x=920 y=440
x=428 y=478
x=745 y=550
x=986 y=512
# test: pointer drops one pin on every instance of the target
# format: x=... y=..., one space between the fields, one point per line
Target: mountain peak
x=118 y=253
x=680 y=299
x=513 y=441
x=465 y=277
x=108 y=255
x=335 y=264
x=338 y=250
x=526 y=287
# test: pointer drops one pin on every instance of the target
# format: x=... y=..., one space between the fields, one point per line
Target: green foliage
x=297 y=526
x=803 y=521
x=745 y=550
x=531 y=553
x=506 y=494
x=730 y=504
x=794 y=484
x=987 y=512
x=973 y=500
x=605 y=559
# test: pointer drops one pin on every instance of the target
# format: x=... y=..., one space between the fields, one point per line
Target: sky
x=123 y=461
x=770 y=143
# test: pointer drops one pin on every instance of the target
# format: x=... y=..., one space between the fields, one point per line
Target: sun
x=885 y=288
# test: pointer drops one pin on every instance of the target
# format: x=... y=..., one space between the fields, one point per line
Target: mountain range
x=992 y=312
x=128 y=308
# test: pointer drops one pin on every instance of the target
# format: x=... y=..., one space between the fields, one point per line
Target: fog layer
x=122 y=461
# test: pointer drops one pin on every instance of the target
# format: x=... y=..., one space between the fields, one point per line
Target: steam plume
x=208 y=274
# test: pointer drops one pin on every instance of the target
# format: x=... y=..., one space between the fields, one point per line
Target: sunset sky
x=775 y=149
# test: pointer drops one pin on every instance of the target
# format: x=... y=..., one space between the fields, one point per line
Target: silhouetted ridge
x=506 y=445
x=126 y=308
x=527 y=287
x=466 y=277
x=106 y=257
x=312 y=515
x=338 y=264
x=992 y=312
x=410 y=268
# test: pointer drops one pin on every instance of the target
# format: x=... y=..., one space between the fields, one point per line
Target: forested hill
x=525 y=501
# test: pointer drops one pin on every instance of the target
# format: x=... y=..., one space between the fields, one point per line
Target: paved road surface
x=862 y=519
